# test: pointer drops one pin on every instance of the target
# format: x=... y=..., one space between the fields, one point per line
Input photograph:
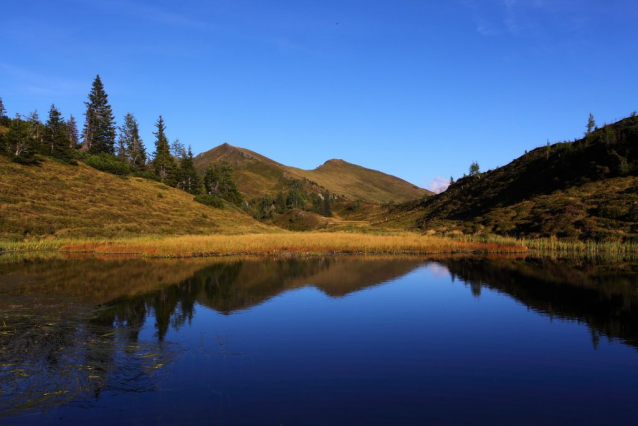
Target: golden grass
x=285 y=244
x=63 y=201
x=557 y=246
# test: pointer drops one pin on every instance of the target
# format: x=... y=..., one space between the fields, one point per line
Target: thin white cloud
x=148 y=12
x=34 y=83
x=438 y=184
x=495 y=17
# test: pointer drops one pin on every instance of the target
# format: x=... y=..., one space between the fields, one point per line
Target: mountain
x=60 y=200
x=586 y=189
x=257 y=175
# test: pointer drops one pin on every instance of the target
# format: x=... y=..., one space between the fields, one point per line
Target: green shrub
x=107 y=163
x=148 y=175
x=210 y=200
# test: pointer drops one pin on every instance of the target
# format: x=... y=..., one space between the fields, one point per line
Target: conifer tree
x=163 y=162
x=591 y=124
x=327 y=204
x=178 y=150
x=36 y=130
x=475 y=170
x=190 y=181
x=19 y=142
x=99 y=128
x=219 y=181
x=130 y=141
x=120 y=150
x=296 y=198
x=72 y=133
x=55 y=135
x=4 y=120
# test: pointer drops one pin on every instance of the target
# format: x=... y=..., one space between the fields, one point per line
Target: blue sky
x=418 y=89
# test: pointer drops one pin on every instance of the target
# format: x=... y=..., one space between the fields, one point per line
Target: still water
x=325 y=341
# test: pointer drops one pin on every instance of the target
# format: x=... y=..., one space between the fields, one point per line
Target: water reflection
x=599 y=293
x=71 y=328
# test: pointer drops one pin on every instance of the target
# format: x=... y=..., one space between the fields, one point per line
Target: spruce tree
x=55 y=135
x=120 y=150
x=99 y=128
x=20 y=145
x=4 y=120
x=327 y=204
x=130 y=140
x=178 y=150
x=219 y=181
x=190 y=181
x=36 y=130
x=475 y=170
x=72 y=133
x=591 y=124
x=163 y=162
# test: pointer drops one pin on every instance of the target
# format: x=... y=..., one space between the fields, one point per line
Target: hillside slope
x=61 y=200
x=586 y=189
x=257 y=175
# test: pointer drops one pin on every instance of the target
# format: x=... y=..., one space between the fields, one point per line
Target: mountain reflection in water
x=72 y=328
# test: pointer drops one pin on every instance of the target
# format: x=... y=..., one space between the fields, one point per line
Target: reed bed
x=316 y=243
x=561 y=247
x=289 y=244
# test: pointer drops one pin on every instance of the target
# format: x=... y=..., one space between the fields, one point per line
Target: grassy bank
x=282 y=244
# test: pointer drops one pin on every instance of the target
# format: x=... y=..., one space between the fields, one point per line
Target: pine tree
x=72 y=133
x=120 y=150
x=591 y=124
x=55 y=135
x=20 y=144
x=130 y=141
x=99 y=128
x=178 y=150
x=296 y=197
x=163 y=162
x=475 y=170
x=212 y=180
x=189 y=179
x=219 y=181
x=4 y=120
x=36 y=130
x=327 y=204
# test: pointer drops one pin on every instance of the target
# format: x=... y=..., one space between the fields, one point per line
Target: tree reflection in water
x=71 y=327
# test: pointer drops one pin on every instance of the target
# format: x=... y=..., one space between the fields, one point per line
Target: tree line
x=119 y=150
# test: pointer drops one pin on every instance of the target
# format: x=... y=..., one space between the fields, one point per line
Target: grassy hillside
x=55 y=199
x=257 y=175
x=586 y=189
x=360 y=183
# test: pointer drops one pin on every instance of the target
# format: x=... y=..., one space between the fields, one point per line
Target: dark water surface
x=334 y=341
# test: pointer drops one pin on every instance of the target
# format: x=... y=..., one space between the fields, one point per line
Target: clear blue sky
x=418 y=89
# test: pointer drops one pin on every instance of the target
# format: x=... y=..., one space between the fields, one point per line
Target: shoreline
x=310 y=244
x=284 y=245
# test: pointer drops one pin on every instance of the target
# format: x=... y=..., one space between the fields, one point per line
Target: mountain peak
x=257 y=175
x=335 y=161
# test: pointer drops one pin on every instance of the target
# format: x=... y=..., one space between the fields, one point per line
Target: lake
x=319 y=341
